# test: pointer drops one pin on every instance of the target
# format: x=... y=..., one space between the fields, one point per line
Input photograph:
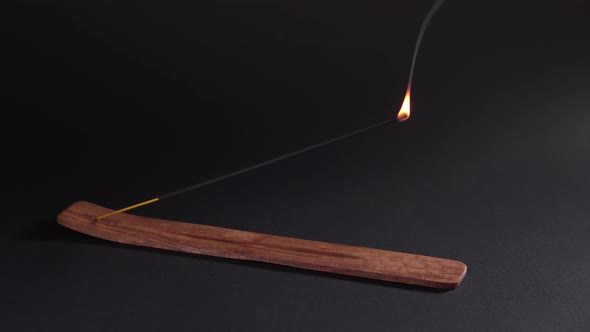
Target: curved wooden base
x=223 y=242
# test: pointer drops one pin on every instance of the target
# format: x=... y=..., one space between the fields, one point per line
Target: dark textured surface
x=115 y=103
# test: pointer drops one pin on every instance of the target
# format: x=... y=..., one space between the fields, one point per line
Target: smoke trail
x=423 y=27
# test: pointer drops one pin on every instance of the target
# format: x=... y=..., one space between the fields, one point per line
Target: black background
x=115 y=102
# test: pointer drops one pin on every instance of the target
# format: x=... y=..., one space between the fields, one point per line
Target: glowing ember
x=404 y=111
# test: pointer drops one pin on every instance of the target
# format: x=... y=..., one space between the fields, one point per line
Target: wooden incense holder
x=230 y=243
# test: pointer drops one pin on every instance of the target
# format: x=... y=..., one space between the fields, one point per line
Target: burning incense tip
x=404 y=111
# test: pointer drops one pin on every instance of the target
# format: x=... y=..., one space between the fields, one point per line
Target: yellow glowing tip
x=404 y=111
x=128 y=208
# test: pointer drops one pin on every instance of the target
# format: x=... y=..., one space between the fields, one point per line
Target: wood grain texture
x=230 y=243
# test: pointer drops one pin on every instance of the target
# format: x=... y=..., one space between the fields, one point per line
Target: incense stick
x=247 y=169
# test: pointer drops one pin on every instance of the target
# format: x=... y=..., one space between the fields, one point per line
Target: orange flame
x=404 y=111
